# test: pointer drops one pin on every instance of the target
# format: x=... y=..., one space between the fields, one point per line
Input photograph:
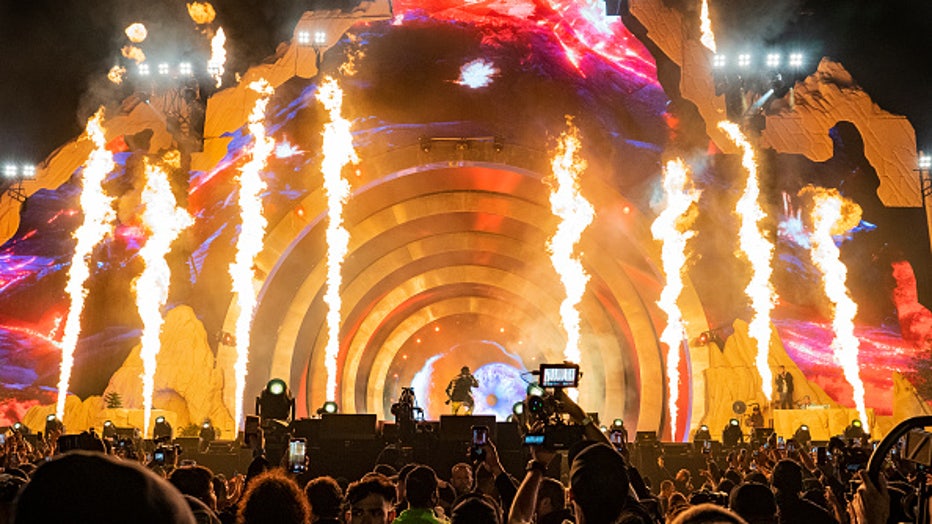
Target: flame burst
x=218 y=56
x=116 y=73
x=671 y=228
x=201 y=12
x=705 y=26
x=759 y=252
x=575 y=214
x=164 y=221
x=826 y=256
x=251 y=236
x=98 y=222
x=136 y=32
x=133 y=53
x=338 y=152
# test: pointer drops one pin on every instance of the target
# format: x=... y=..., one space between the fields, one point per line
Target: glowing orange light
x=136 y=32
x=201 y=12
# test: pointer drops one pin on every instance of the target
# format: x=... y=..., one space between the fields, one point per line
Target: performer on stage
x=784 y=383
x=459 y=391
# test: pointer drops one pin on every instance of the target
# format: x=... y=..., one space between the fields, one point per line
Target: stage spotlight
x=19 y=427
x=802 y=435
x=163 y=69
x=304 y=38
x=275 y=401
x=320 y=38
x=518 y=409
x=162 y=429
x=702 y=434
x=732 y=435
x=53 y=424
x=534 y=390
x=330 y=407
x=796 y=59
x=719 y=61
x=925 y=161
x=109 y=429
x=10 y=171
x=855 y=430
x=184 y=69
x=618 y=423
x=744 y=60
x=143 y=69
x=28 y=172
x=773 y=60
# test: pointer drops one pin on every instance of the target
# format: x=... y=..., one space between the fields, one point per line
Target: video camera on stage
x=542 y=406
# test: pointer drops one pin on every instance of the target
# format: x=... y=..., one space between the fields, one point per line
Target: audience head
x=787 y=477
x=461 y=478
x=371 y=500
x=325 y=498
x=754 y=503
x=273 y=498
x=196 y=481
x=707 y=514
x=551 y=496
x=476 y=508
x=421 y=487
x=667 y=487
x=598 y=484
x=84 y=486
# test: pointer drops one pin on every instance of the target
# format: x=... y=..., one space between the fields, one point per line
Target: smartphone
x=780 y=443
x=617 y=437
x=821 y=456
x=480 y=436
x=2 y=439
x=297 y=454
x=790 y=447
x=533 y=440
x=706 y=446
x=158 y=457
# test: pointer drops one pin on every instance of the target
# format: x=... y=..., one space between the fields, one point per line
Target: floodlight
x=10 y=171
x=275 y=401
x=773 y=60
x=162 y=429
x=28 y=171
x=109 y=429
x=802 y=435
x=207 y=433
x=702 y=433
x=330 y=407
x=304 y=38
x=796 y=59
x=143 y=69
x=320 y=38
x=719 y=61
x=164 y=69
x=618 y=423
x=53 y=424
x=184 y=69
x=925 y=161
x=744 y=60
x=732 y=434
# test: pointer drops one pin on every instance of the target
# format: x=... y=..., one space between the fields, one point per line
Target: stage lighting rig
x=275 y=401
x=702 y=434
x=855 y=430
x=732 y=435
x=802 y=435
x=110 y=430
x=328 y=408
x=53 y=424
x=162 y=430
x=13 y=176
x=750 y=83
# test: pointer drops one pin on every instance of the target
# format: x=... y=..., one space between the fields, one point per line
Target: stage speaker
x=646 y=438
x=345 y=426
x=508 y=436
x=308 y=428
x=459 y=427
x=189 y=446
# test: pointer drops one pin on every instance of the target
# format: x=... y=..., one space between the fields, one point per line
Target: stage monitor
x=343 y=426
x=459 y=427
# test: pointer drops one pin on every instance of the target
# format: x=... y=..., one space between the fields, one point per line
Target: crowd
x=755 y=484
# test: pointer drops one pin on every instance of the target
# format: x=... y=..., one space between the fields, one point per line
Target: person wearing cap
x=459 y=391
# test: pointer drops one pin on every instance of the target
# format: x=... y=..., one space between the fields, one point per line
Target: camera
x=544 y=408
x=165 y=454
x=559 y=375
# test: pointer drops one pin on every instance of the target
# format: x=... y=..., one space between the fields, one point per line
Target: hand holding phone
x=297 y=455
x=480 y=437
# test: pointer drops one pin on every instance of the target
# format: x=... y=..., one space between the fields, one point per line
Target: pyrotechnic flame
x=671 y=227
x=133 y=53
x=164 y=221
x=116 y=73
x=251 y=236
x=705 y=26
x=575 y=214
x=338 y=152
x=201 y=12
x=759 y=252
x=218 y=56
x=98 y=222
x=826 y=256
x=136 y=32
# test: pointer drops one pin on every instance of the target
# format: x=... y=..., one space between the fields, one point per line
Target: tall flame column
x=251 y=236
x=99 y=215
x=671 y=227
x=759 y=251
x=575 y=214
x=164 y=221
x=338 y=152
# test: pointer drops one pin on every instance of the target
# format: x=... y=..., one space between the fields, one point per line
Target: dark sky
x=54 y=54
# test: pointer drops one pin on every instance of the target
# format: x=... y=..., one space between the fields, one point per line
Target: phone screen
x=780 y=444
x=296 y=455
x=706 y=446
x=480 y=435
x=159 y=457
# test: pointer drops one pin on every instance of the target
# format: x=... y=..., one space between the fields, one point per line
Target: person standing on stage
x=459 y=391
x=784 y=383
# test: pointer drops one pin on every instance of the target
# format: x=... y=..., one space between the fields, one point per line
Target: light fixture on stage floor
x=855 y=430
x=109 y=429
x=702 y=434
x=53 y=424
x=329 y=408
x=802 y=435
x=275 y=401
x=732 y=435
x=162 y=429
